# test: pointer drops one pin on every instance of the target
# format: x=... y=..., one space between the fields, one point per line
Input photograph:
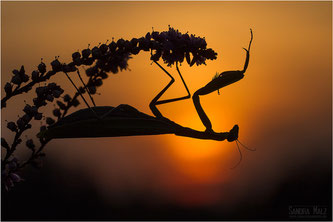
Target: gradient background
x=283 y=107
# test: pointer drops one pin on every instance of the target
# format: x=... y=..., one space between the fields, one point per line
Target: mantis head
x=233 y=133
x=233 y=136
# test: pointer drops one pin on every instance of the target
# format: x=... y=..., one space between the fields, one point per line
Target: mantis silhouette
x=125 y=120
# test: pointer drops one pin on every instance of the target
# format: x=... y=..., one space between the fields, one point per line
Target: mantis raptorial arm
x=222 y=80
x=203 y=116
x=248 y=53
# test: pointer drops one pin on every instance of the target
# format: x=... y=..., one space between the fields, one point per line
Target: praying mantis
x=125 y=120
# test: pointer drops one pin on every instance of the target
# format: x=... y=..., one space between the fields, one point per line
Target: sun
x=200 y=161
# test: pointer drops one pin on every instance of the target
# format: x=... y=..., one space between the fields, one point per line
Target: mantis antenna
x=240 y=152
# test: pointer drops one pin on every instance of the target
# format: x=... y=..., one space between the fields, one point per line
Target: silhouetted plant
x=172 y=46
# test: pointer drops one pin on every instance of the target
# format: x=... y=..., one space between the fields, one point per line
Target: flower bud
x=92 y=90
x=16 y=80
x=27 y=109
x=52 y=85
x=56 y=93
x=56 y=65
x=71 y=67
x=103 y=48
x=156 y=56
x=76 y=55
x=148 y=36
x=22 y=71
x=103 y=75
x=120 y=43
x=56 y=112
x=127 y=45
x=49 y=98
x=50 y=121
x=25 y=78
x=12 y=126
x=98 y=82
x=114 y=69
x=8 y=88
x=30 y=144
x=35 y=75
x=67 y=98
x=112 y=46
x=155 y=35
x=82 y=90
x=15 y=72
x=88 y=61
x=86 y=53
x=26 y=118
x=38 y=116
x=4 y=143
x=135 y=50
x=91 y=71
x=61 y=105
x=96 y=52
x=134 y=42
x=40 y=91
x=144 y=44
x=20 y=123
x=75 y=102
x=34 y=110
x=42 y=67
x=36 y=101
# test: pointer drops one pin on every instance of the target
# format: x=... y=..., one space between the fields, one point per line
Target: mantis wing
x=124 y=121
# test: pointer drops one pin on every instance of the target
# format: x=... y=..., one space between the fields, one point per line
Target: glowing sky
x=283 y=104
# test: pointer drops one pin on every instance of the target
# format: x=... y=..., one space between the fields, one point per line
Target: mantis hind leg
x=78 y=91
x=86 y=88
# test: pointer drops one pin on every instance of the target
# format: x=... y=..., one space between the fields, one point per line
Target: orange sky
x=283 y=104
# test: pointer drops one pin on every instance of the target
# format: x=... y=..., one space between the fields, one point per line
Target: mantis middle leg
x=156 y=100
